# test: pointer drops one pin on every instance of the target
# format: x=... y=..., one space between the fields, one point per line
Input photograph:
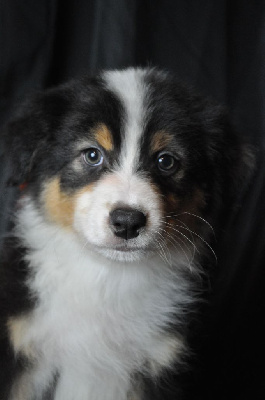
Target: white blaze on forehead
x=129 y=86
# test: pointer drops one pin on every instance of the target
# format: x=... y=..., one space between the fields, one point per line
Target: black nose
x=126 y=222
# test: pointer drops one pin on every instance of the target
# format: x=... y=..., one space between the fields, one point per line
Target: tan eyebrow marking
x=160 y=140
x=103 y=136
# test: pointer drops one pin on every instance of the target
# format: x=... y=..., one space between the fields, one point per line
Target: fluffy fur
x=125 y=175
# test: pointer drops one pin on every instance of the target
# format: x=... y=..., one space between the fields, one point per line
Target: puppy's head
x=130 y=161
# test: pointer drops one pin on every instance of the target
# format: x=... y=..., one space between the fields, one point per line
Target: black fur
x=39 y=139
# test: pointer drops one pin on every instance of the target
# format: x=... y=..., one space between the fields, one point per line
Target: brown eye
x=167 y=163
x=93 y=157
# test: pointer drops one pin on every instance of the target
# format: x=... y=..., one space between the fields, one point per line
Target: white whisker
x=165 y=246
x=181 y=233
x=195 y=216
x=175 y=242
x=161 y=252
x=194 y=233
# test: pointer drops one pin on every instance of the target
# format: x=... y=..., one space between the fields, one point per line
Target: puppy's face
x=132 y=162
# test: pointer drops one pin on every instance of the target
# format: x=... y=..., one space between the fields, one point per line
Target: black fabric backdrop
x=219 y=47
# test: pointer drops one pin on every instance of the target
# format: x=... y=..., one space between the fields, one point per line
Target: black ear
x=243 y=165
x=23 y=138
x=232 y=158
x=26 y=137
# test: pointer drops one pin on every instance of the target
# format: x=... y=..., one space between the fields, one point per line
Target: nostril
x=127 y=222
x=139 y=220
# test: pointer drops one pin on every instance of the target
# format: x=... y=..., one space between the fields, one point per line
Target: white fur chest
x=97 y=321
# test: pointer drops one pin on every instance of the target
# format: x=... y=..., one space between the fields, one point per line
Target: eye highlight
x=167 y=163
x=93 y=157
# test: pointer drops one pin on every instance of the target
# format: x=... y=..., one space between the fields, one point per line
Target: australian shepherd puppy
x=123 y=176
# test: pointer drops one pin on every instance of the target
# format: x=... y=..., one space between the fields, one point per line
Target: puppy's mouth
x=125 y=252
x=125 y=247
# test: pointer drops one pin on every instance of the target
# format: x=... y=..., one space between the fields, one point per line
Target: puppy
x=123 y=177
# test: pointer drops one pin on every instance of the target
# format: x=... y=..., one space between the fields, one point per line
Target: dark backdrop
x=216 y=45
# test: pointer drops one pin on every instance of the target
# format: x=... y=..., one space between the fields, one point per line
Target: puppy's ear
x=23 y=138
x=26 y=137
x=232 y=158
x=243 y=166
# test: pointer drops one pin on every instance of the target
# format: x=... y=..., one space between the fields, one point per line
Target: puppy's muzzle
x=126 y=223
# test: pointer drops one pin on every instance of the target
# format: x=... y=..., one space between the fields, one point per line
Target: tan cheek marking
x=195 y=204
x=104 y=137
x=181 y=213
x=160 y=140
x=60 y=206
x=17 y=328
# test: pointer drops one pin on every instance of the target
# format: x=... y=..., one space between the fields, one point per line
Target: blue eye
x=93 y=157
x=167 y=163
